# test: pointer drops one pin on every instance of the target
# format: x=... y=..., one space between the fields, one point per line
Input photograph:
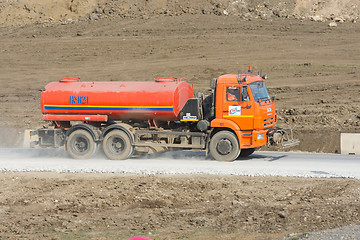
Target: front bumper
x=284 y=137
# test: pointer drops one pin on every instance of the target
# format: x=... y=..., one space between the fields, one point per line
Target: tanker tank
x=161 y=99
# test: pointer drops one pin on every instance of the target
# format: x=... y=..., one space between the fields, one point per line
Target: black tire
x=246 y=152
x=224 y=146
x=117 y=145
x=80 y=144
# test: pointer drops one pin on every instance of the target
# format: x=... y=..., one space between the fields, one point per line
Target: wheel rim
x=81 y=145
x=224 y=146
x=116 y=144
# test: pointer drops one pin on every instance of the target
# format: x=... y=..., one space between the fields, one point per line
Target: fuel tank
x=159 y=100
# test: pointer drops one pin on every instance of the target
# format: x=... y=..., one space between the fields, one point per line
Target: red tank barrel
x=160 y=100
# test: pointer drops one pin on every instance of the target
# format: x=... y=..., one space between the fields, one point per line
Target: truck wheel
x=117 y=145
x=246 y=152
x=224 y=146
x=80 y=144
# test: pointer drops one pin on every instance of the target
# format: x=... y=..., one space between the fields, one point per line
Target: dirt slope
x=19 y=12
x=314 y=70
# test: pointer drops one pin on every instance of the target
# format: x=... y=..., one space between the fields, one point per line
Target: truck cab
x=243 y=108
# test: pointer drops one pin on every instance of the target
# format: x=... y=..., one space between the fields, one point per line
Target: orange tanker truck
x=125 y=118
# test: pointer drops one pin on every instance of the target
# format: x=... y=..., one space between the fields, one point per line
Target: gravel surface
x=187 y=162
x=343 y=233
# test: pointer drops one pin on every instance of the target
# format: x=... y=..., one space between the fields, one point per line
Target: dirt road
x=186 y=162
x=313 y=70
x=114 y=205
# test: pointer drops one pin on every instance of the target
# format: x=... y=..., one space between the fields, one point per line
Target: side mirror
x=213 y=83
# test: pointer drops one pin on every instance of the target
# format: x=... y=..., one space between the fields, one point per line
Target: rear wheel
x=224 y=146
x=117 y=145
x=80 y=144
x=246 y=152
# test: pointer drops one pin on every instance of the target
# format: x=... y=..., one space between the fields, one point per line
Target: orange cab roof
x=233 y=78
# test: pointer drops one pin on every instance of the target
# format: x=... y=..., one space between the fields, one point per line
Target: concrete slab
x=350 y=143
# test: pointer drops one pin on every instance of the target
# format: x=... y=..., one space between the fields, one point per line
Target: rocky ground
x=309 y=49
x=19 y=12
x=116 y=206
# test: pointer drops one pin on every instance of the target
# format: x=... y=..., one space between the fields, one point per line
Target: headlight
x=260 y=136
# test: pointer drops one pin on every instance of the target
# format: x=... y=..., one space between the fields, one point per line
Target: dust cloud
x=10 y=137
x=15 y=145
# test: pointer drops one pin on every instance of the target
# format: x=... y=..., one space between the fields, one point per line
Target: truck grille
x=268 y=121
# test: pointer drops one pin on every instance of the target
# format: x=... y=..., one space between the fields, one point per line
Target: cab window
x=233 y=93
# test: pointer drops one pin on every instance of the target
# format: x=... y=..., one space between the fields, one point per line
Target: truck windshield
x=259 y=91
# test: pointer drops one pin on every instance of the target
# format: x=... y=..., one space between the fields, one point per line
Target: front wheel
x=224 y=146
x=80 y=144
x=117 y=145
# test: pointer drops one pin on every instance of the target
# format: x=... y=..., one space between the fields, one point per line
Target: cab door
x=237 y=106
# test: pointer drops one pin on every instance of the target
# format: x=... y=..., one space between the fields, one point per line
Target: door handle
x=247 y=107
